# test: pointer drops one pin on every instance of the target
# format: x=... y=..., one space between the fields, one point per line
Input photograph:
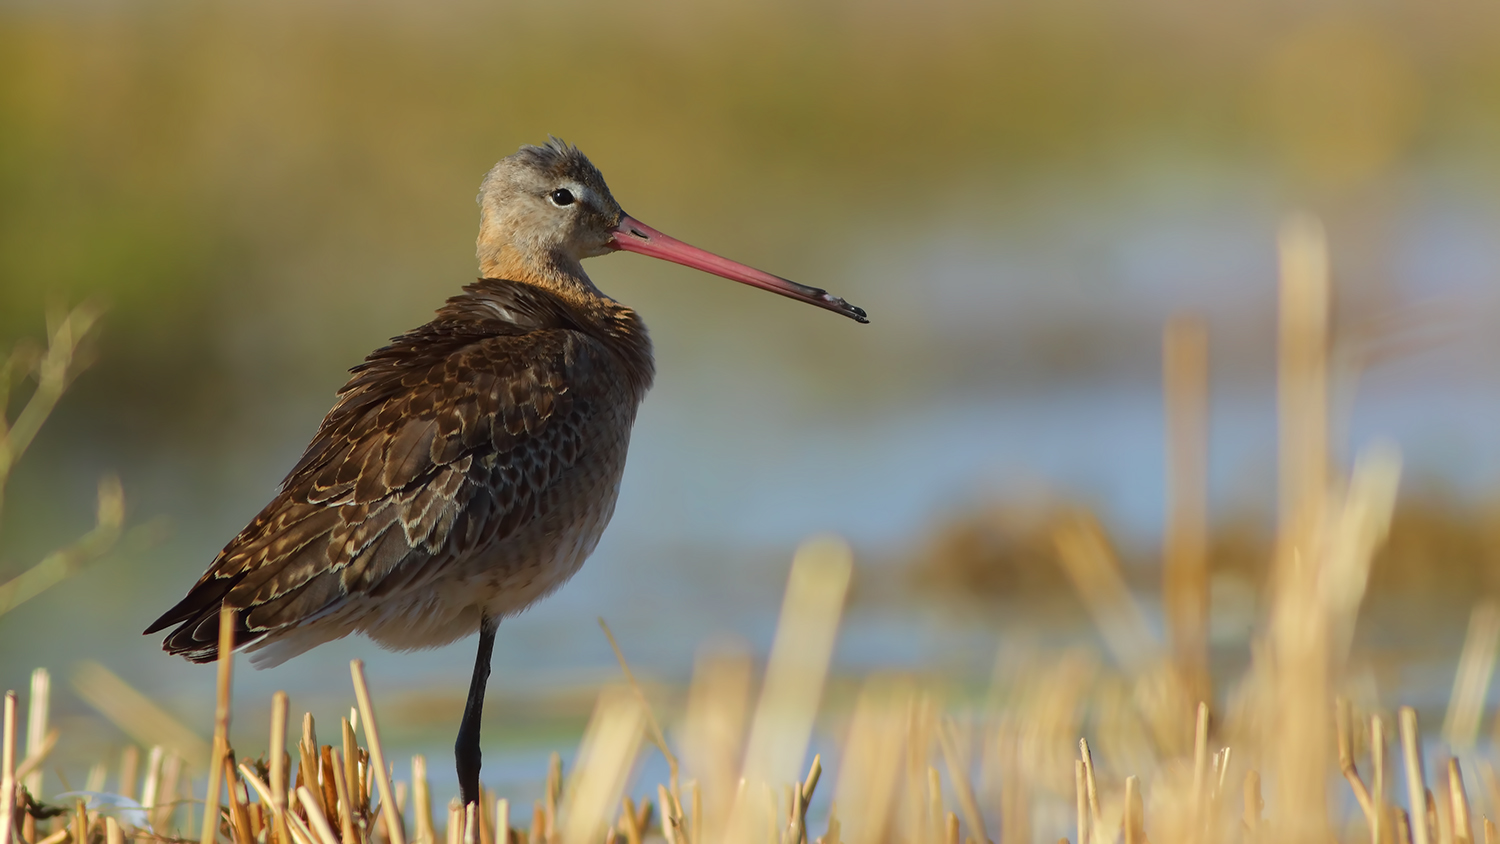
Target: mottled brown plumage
x=469 y=467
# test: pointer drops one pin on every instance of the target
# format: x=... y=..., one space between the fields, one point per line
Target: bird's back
x=468 y=467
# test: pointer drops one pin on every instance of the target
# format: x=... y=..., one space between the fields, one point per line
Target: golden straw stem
x=314 y=808
x=8 y=770
x=471 y=823
x=1096 y=823
x=1416 y=783
x=1134 y=830
x=1463 y=829
x=377 y=757
x=960 y=779
x=345 y=800
x=351 y=762
x=1253 y=804
x=657 y=736
x=280 y=706
x=1185 y=572
x=486 y=823
x=113 y=834
x=1081 y=801
x=1342 y=716
x=1377 y=761
x=628 y=818
x=554 y=789
x=130 y=763
x=422 y=801
x=38 y=709
x=221 y=725
x=502 y=821
x=455 y=830
x=239 y=817
x=1200 y=767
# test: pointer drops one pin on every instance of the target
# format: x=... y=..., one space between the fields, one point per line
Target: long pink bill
x=632 y=235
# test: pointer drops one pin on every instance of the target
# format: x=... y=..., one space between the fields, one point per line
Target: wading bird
x=469 y=467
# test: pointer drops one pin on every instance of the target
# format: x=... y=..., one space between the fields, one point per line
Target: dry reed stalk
x=1342 y=730
x=422 y=801
x=554 y=791
x=486 y=823
x=1185 y=567
x=713 y=729
x=1096 y=822
x=959 y=776
x=783 y=720
x=1199 y=812
x=280 y=709
x=31 y=766
x=695 y=823
x=1377 y=763
x=605 y=757
x=872 y=756
x=471 y=823
x=1416 y=780
x=796 y=832
x=657 y=736
x=1081 y=802
x=1254 y=805
x=98 y=774
x=455 y=829
x=346 y=804
x=832 y=836
x=171 y=775
x=327 y=791
x=1471 y=682
x=351 y=760
x=221 y=724
x=1094 y=570
x=135 y=714
x=113 y=834
x=950 y=829
x=935 y=810
x=1463 y=827
x=130 y=762
x=8 y=769
x=502 y=821
x=315 y=817
x=37 y=711
x=1491 y=834
x=149 y=789
x=628 y=823
x=1299 y=630
x=239 y=816
x=377 y=757
x=1133 y=823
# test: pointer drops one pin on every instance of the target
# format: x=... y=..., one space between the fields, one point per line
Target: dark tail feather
x=197 y=620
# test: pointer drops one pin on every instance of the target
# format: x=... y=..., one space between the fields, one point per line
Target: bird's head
x=542 y=210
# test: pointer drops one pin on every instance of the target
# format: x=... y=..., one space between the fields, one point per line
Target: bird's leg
x=466 y=749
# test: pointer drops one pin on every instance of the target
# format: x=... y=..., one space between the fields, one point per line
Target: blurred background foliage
x=1020 y=193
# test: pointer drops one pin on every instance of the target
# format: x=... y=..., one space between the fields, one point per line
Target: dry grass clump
x=1059 y=746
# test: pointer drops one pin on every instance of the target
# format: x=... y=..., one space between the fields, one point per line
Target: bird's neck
x=585 y=305
x=555 y=271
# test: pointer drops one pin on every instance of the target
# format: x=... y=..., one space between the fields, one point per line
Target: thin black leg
x=466 y=749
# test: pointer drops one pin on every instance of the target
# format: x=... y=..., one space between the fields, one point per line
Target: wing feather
x=441 y=442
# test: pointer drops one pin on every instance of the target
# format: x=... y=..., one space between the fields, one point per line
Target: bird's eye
x=561 y=196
